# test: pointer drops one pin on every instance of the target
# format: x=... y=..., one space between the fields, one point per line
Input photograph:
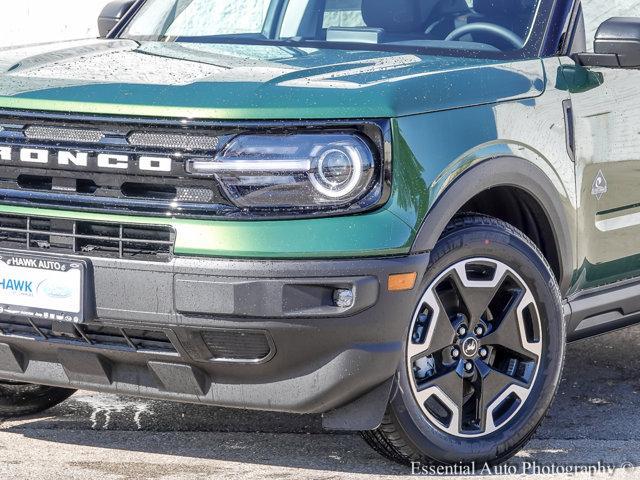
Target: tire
x=483 y=424
x=21 y=399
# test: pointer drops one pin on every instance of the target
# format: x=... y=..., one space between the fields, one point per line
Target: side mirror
x=616 y=45
x=112 y=14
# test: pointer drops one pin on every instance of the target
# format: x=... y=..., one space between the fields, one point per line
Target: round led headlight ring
x=338 y=171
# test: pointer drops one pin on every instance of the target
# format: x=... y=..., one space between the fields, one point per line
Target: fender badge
x=599 y=187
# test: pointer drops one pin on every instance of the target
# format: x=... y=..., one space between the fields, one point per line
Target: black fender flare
x=504 y=171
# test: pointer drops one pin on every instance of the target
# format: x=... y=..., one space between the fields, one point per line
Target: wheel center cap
x=470 y=347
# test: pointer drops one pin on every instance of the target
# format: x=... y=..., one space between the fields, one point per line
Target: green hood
x=123 y=77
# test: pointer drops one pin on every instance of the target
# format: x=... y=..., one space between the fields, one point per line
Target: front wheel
x=484 y=351
x=20 y=399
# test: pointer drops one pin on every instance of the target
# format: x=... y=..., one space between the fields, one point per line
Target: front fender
x=495 y=172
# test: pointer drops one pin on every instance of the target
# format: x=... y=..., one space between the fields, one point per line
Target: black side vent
x=111 y=240
x=238 y=345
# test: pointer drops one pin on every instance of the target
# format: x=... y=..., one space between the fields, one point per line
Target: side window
x=292 y=20
x=597 y=11
x=343 y=13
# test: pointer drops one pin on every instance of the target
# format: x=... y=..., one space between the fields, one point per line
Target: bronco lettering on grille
x=79 y=160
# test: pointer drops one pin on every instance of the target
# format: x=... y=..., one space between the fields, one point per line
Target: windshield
x=471 y=25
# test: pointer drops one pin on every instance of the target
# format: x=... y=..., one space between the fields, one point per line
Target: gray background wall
x=597 y=11
x=36 y=21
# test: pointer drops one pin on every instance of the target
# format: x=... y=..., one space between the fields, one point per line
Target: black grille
x=82 y=183
x=130 y=190
x=110 y=240
x=99 y=336
x=237 y=345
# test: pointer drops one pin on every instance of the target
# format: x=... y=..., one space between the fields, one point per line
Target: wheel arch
x=487 y=187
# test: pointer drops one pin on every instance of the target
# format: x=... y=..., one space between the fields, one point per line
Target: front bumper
x=250 y=334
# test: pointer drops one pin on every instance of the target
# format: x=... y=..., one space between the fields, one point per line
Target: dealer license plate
x=41 y=287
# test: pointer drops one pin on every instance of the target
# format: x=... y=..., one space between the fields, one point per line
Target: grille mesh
x=203 y=195
x=56 y=134
x=175 y=141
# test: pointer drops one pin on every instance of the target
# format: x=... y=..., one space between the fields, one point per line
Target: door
x=605 y=105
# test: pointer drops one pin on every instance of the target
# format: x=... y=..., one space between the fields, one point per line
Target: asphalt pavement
x=592 y=431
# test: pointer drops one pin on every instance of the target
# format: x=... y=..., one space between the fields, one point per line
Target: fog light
x=343 y=298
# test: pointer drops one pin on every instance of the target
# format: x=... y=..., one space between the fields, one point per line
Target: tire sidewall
x=17 y=399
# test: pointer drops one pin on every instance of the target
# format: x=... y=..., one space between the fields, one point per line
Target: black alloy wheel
x=484 y=350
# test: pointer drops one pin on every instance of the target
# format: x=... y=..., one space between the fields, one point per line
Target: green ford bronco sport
x=390 y=213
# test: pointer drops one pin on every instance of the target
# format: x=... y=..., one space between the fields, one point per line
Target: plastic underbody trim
x=321 y=357
x=603 y=309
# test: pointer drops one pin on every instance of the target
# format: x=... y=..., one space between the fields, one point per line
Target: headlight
x=295 y=171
